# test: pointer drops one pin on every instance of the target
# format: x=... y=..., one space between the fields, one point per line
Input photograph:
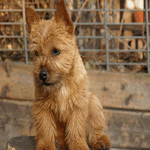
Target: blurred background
x=110 y=34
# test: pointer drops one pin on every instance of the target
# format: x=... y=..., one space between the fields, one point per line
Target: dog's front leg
x=45 y=128
x=75 y=130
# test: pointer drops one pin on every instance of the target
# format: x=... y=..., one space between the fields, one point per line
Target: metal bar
x=92 y=50
x=127 y=50
x=92 y=63
x=11 y=36
x=16 y=62
x=12 y=49
x=126 y=10
x=78 y=23
x=24 y=29
x=88 y=23
x=39 y=10
x=83 y=23
x=81 y=50
x=87 y=50
x=43 y=10
x=78 y=37
x=11 y=23
x=127 y=37
x=11 y=10
x=86 y=37
x=147 y=34
x=126 y=24
x=106 y=36
x=110 y=37
x=143 y=64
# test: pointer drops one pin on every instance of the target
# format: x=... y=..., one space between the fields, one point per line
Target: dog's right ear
x=31 y=17
x=62 y=15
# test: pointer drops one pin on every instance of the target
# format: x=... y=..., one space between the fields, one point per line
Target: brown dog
x=64 y=109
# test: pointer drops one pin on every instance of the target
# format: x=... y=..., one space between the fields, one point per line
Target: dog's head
x=53 y=44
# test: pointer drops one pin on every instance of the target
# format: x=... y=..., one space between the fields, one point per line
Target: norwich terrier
x=64 y=109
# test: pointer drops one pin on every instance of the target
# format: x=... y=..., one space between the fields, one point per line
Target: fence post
x=106 y=34
x=147 y=35
x=24 y=31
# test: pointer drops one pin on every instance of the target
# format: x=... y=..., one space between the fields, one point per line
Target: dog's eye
x=55 y=52
x=36 y=54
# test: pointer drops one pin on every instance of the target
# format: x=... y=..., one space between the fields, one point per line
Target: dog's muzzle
x=43 y=75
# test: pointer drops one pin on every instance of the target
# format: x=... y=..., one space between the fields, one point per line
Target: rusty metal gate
x=96 y=31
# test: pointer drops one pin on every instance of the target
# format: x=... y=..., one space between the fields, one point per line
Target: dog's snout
x=43 y=74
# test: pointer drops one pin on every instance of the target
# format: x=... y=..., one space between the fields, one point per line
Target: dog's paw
x=45 y=145
x=106 y=147
x=45 y=148
x=102 y=143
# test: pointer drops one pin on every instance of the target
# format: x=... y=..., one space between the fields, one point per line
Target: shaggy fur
x=64 y=110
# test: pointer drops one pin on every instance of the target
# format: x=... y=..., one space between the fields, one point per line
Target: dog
x=64 y=110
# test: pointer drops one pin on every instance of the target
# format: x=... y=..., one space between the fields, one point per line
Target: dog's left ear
x=62 y=15
x=31 y=17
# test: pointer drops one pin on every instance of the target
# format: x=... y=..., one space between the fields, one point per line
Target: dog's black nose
x=43 y=74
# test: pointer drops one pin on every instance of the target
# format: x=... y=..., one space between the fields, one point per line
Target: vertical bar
x=147 y=35
x=106 y=34
x=24 y=30
x=98 y=33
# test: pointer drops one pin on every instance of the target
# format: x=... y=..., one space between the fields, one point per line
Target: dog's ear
x=62 y=15
x=31 y=17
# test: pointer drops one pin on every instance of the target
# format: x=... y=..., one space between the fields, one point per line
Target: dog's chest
x=63 y=104
x=61 y=110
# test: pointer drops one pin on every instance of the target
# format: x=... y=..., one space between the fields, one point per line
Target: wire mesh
x=106 y=37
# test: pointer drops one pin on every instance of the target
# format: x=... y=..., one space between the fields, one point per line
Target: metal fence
x=95 y=32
